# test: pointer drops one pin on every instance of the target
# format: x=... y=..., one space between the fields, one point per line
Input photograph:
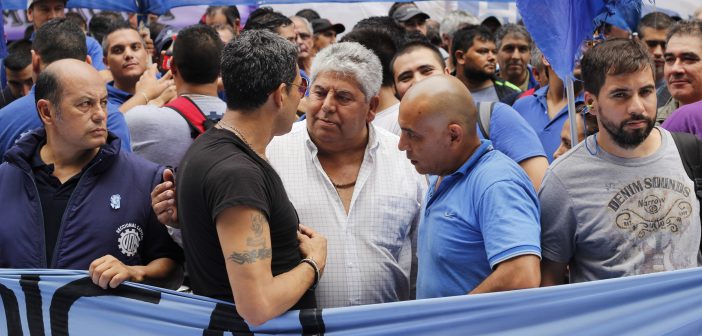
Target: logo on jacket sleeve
x=130 y=236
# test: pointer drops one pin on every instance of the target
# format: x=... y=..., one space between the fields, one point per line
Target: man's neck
x=518 y=81
x=343 y=150
x=471 y=84
x=209 y=89
x=387 y=98
x=646 y=148
x=465 y=155
x=67 y=162
x=255 y=128
x=126 y=86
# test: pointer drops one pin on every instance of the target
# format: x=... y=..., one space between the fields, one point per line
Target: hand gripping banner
x=59 y=302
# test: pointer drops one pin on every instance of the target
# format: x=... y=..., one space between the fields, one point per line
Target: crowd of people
x=277 y=168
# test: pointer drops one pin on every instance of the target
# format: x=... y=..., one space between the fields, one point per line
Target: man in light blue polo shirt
x=480 y=228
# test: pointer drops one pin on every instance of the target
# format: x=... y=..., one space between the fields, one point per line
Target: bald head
x=437 y=118
x=57 y=75
x=443 y=96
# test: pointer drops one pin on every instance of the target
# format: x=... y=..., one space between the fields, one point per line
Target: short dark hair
x=464 y=37
x=655 y=20
x=48 y=87
x=77 y=18
x=613 y=57
x=686 y=27
x=268 y=19
x=381 y=43
x=59 y=39
x=229 y=12
x=384 y=22
x=414 y=45
x=101 y=22
x=19 y=55
x=515 y=29
x=196 y=54
x=123 y=25
x=255 y=64
x=309 y=14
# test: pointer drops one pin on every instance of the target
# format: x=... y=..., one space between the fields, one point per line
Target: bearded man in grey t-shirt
x=620 y=203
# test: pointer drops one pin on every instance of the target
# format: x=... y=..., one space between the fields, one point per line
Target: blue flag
x=559 y=27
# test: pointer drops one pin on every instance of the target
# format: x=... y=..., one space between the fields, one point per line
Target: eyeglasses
x=302 y=87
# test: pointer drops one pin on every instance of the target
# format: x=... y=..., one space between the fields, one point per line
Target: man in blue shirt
x=41 y=11
x=135 y=79
x=509 y=132
x=55 y=40
x=479 y=230
x=65 y=203
x=547 y=109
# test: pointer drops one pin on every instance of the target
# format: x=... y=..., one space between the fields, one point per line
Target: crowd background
x=15 y=21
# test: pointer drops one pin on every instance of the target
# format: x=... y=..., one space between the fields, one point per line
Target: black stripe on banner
x=312 y=322
x=32 y=299
x=69 y=293
x=225 y=318
x=12 y=314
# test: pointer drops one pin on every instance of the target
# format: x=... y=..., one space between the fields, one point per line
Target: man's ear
x=458 y=56
x=279 y=94
x=591 y=101
x=374 y=103
x=44 y=111
x=36 y=63
x=89 y=60
x=456 y=133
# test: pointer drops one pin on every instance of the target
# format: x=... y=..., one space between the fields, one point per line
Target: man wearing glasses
x=348 y=180
x=243 y=237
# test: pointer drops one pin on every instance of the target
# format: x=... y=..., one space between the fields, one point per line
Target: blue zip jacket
x=109 y=212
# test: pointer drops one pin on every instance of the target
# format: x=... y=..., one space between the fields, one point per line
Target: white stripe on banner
x=57 y=302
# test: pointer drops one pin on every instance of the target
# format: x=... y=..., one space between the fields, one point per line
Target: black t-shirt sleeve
x=237 y=184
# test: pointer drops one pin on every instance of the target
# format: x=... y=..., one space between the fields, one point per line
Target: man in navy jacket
x=71 y=199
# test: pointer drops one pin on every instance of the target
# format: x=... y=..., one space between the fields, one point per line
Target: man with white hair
x=347 y=180
x=452 y=22
x=303 y=35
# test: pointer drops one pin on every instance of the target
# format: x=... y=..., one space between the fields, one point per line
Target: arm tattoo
x=257 y=241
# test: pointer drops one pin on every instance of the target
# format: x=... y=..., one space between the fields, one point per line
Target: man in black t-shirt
x=241 y=233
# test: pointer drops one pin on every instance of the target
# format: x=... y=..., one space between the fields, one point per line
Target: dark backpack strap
x=689 y=148
x=191 y=113
x=484 y=115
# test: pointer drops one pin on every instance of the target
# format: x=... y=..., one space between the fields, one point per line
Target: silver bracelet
x=312 y=263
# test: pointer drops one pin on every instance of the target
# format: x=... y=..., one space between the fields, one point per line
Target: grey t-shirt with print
x=609 y=217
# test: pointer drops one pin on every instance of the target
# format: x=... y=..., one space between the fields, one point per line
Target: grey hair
x=535 y=60
x=307 y=23
x=351 y=59
x=512 y=28
x=454 y=20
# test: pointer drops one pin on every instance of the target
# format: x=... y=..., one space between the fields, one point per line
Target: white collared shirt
x=369 y=250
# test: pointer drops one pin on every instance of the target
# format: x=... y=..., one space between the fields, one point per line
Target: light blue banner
x=56 y=302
